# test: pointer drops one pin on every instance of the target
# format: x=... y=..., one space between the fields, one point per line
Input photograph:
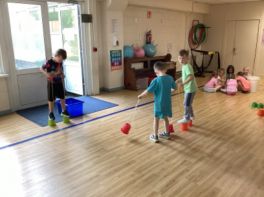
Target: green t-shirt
x=192 y=85
x=161 y=88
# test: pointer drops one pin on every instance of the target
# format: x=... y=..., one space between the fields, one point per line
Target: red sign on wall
x=149 y=14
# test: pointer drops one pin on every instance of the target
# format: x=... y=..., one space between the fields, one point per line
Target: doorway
x=37 y=30
x=241 y=43
x=65 y=31
x=28 y=41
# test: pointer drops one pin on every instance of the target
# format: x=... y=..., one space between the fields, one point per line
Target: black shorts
x=55 y=90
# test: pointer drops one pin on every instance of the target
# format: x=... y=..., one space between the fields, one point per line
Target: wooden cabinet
x=132 y=73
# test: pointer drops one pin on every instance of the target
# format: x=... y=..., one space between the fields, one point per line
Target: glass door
x=37 y=30
x=27 y=35
x=29 y=42
x=65 y=31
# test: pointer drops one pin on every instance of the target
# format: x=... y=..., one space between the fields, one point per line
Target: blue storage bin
x=73 y=106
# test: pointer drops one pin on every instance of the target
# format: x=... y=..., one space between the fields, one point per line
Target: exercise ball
x=139 y=52
x=128 y=51
x=150 y=50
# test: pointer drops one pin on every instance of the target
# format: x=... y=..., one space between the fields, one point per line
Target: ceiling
x=223 y=1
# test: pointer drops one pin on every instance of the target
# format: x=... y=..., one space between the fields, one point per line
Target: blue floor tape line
x=74 y=125
x=71 y=126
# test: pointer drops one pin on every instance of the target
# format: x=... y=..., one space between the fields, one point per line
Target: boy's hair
x=62 y=53
x=184 y=52
x=160 y=65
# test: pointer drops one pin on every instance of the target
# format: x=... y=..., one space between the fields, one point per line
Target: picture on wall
x=116 y=59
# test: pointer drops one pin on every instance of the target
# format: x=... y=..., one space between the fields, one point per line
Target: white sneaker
x=164 y=135
x=154 y=138
x=182 y=121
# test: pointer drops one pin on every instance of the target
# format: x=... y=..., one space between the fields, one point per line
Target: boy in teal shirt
x=189 y=84
x=161 y=87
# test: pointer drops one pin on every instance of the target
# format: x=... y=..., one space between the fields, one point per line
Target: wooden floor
x=221 y=156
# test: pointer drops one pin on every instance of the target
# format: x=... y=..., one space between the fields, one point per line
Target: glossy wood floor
x=221 y=156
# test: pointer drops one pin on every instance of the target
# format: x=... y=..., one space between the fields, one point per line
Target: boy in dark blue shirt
x=53 y=70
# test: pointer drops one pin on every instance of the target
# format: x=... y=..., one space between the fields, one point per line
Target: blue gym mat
x=39 y=115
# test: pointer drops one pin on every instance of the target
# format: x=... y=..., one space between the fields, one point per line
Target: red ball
x=126 y=128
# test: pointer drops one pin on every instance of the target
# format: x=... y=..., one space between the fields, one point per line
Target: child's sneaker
x=51 y=116
x=65 y=113
x=182 y=121
x=154 y=138
x=164 y=135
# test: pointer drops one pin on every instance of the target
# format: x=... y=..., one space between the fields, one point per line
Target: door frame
x=14 y=73
x=256 y=47
x=86 y=51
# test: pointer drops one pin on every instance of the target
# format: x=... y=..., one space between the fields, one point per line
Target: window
x=27 y=35
x=64 y=29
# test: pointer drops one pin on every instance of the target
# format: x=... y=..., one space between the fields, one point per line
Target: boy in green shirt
x=189 y=84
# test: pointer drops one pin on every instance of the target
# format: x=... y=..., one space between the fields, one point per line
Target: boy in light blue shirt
x=189 y=84
x=161 y=87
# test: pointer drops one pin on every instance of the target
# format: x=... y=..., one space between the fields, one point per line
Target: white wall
x=179 y=5
x=170 y=24
x=170 y=29
x=99 y=9
x=110 y=79
x=217 y=18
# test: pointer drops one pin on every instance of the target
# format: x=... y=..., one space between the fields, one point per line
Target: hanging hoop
x=197 y=35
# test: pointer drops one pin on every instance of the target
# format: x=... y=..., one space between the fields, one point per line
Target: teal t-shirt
x=161 y=88
x=192 y=85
